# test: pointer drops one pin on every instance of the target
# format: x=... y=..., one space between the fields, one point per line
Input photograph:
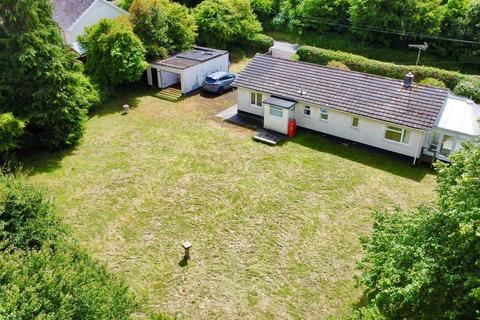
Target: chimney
x=408 y=82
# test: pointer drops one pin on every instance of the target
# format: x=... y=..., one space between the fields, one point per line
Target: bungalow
x=73 y=16
x=390 y=114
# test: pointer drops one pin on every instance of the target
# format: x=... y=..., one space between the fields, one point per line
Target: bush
x=115 y=54
x=467 y=85
x=337 y=65
x=433 y=82
x=11 y=129
x=259 y=43
x=223 y=23
x=423 y=264
x=27 y=220
x=60 y=284
x=469 y=88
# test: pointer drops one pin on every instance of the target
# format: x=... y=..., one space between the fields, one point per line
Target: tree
x=318 y=15
x=163 y=27
x=11 y=129
x=115 y=54
x=40 y=81
x=424 y=264
x=222 y=23
x=410 y=16
x=263 y=9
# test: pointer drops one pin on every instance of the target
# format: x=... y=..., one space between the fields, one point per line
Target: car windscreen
x=210 y=80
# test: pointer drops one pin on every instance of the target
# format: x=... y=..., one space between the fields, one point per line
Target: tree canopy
x=163 y=27
x=115 y=54
x=222 y=23
x=41 y=83
x=424 y=264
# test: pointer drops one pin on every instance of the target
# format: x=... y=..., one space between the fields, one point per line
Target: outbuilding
x=188 y=69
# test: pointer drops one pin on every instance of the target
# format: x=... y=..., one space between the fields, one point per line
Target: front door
x=275 y=118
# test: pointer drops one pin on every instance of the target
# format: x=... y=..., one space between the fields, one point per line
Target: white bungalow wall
x=370 y=132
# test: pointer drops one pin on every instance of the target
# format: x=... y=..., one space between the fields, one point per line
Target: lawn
x=274 y=229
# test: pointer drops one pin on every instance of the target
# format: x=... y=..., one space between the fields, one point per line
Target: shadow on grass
x=129 y=95
x=370 y=156
x=38 y=162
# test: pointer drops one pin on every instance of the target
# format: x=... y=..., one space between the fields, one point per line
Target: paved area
x=284 y=49
x=231 y=115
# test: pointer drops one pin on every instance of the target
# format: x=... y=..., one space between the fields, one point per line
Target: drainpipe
x=418 y=149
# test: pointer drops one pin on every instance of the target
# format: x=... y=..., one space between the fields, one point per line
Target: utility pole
x=420 y=47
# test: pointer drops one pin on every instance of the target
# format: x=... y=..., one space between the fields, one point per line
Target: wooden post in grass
x=186 y=246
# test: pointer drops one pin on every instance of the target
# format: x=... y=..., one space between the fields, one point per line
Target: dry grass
x=274 y=229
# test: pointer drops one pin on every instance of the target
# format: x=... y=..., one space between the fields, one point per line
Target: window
x=323 y=114
x=256 y=99
x=276 y=111
x=397 y=134
x=306 y=111
x=355 y=122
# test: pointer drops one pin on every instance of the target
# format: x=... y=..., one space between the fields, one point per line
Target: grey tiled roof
x=66 y=12
x=359 y=93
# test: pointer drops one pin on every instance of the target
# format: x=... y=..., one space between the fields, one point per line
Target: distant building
x=73 y=16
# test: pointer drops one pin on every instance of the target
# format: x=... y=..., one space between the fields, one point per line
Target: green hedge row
x=461 y=84
x=259 y=43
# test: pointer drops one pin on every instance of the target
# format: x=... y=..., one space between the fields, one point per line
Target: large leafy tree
x=11 y=130
x=163 y=27
x=324 y=15
x=410 y=16
x=115 y=54
x=40 y=81
x=424 y=264
x=222 y=23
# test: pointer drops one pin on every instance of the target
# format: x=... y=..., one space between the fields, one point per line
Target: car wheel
x=221 y=90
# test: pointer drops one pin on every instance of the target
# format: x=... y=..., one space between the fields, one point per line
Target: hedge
x=260 y=43
x=466 y=85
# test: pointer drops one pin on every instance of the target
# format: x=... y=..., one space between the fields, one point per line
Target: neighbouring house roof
x=67 y=12
x=190 y=58
x=460 y=115
x=353 y=92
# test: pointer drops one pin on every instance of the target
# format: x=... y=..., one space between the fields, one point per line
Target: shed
x=189 y=68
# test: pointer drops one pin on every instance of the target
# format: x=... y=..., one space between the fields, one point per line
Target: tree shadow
x=384 y=160
x=124 y=95
x=40 y=161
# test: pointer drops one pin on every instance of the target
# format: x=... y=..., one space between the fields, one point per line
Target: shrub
x=263 y=9
x=63 y=283
x=27 y=220
x=115 y=54
x=259 y=43
x=11 y=129
x=337 y=65
x=467 y=85
x=222 y=23
x=433 y=82
x=469 y=88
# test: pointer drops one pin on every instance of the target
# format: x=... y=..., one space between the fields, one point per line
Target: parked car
x=218 y=82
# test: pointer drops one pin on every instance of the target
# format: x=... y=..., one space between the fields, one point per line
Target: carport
x=188 y=69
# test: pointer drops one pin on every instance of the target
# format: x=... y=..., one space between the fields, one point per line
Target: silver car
x=218 y=82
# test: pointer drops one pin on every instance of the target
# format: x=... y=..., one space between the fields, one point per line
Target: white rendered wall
x=98 y=10
x=193 y=77
x=243 y=102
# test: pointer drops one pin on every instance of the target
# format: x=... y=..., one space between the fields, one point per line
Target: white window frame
x=277 y=109
x=324 y=111
x=307 y=111
x=358 y=122
x=258 y=102
x=404 y=134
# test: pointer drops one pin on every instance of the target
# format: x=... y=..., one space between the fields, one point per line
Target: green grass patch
x=274 y=229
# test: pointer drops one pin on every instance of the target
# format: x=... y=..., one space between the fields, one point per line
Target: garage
x=187 y=69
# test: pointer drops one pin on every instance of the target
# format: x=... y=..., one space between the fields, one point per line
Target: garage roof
x=190 y=58
x=353 y=92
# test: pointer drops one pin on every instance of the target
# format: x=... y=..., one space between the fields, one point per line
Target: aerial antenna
x=420 y=47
